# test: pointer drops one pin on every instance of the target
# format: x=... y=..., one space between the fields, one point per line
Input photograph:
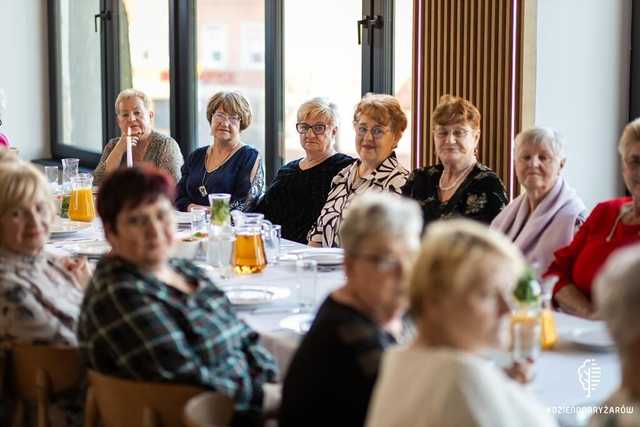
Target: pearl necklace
x=458 y=180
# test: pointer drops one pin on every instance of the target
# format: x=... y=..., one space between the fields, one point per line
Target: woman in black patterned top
x=379 y=123
x=459 y=185
x=298 y=192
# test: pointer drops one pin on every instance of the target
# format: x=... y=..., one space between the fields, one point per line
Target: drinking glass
x=220 y=214
x=271 y=235
x=526 y=340
x=307 y=277
x=51 y=172
x=198 y=218
x=220 y=253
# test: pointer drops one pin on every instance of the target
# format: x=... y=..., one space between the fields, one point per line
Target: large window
x=230 y=40
x=77 y=91
x=278 y=53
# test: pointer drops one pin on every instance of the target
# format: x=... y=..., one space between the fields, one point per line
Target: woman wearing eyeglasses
x=298 y=192
x=226 y=166
x=459 y=185
x=134 y=115
x=331 y=376
x=379 y=123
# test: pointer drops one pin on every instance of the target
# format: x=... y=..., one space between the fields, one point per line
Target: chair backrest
x=38 y=372
x=208 y=410
x=118 y=402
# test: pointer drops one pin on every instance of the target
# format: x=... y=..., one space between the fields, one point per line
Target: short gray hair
x=382 y=215
x=133 y=93
x=617 y=296
x=320 y=107
x=630 y=135
x=542 y=135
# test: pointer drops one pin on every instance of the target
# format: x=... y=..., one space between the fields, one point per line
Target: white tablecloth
x=556 y=382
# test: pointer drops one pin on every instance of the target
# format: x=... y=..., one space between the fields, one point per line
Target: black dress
x=296 y=197
x=331 y=376
x=481 y=196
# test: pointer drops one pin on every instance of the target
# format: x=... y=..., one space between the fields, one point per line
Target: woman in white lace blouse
x=40 y=294
x=379 y=123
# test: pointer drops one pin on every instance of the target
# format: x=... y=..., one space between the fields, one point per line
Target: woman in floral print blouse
x=459 y=185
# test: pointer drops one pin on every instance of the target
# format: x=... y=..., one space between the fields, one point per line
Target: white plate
x=91 y=249
x=298 y=323
x=65 y=227
x=594 y=338
x=323 y=256
x=251 y=296
x=183 y=218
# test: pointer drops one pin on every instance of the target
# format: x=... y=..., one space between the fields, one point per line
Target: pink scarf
x=550 y=226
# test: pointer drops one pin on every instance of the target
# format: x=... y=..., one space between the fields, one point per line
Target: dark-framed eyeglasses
x=317 y=128
x=377 y=132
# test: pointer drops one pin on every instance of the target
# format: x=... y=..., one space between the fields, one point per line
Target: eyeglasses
x=377 y=132
x=317 y=128
x=382 y=263
x=458 y=133
x=222 y=117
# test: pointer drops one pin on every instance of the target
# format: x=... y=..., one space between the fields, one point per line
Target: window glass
x=402 y=71
x=144 y=54
x=230 y=44
x=322 y=58
x=79 y=73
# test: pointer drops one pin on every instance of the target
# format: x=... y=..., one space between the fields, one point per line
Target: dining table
x=570 y=379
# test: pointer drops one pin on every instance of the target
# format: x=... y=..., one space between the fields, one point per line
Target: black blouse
x=481 y=196
x=296 y=197
x=331 y=377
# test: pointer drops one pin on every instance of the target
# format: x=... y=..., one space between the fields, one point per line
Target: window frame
x=377 y=74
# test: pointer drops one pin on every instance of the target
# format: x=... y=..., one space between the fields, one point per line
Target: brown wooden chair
x=208 y=410
x=117 y=402
x=37 y=373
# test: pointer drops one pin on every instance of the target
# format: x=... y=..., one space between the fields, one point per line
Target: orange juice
x=81 y=207
x=548 y=333
x=249 y=253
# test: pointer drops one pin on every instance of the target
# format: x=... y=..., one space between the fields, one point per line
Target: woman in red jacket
x=612 y=224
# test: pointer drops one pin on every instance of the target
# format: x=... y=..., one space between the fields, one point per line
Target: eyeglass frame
x=383 y=129
x=452 y=132
x=382 y=263
x=323 y=125
x=219 y=116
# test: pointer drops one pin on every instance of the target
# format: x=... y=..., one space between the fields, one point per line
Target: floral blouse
x=40 y=304
x=389 y=176
x=481 y=196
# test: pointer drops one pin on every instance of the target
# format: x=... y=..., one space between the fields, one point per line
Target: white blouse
x=389 y=176
x=426 y=387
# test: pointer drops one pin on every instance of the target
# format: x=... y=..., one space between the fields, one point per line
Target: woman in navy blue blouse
x=226 y=166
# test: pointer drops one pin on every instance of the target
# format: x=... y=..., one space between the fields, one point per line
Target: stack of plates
x=323 y=256
x=183 y=219
x=65 y=227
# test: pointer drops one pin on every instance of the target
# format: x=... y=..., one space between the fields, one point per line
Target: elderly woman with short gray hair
x=546 y=216
x=617 y=297
x=332 y=374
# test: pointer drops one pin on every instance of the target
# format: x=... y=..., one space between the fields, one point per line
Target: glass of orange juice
x=81 y=206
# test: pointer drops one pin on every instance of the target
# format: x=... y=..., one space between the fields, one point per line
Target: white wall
x=24 y=76
x=583 y=85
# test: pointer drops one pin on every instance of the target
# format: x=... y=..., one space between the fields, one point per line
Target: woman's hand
x=79 y=269
x=574 y=302
x=520 y=371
